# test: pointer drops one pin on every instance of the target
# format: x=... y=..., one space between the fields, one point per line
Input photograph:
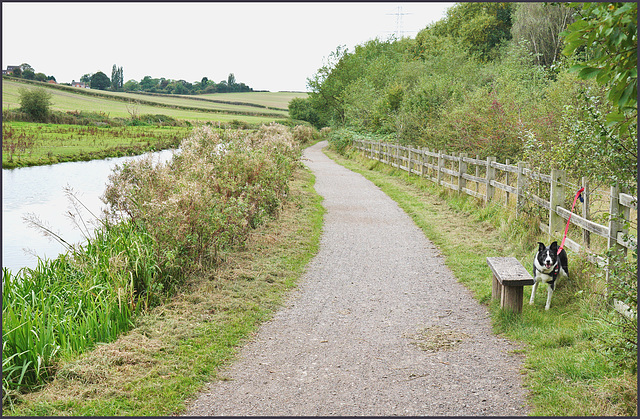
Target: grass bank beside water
x=34 y=144
x=230 y=246
x=573 y=363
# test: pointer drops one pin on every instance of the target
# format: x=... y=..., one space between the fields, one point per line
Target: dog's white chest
x=542 y=277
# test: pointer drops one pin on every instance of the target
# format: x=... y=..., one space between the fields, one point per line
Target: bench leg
x=496 y=290
x=512 y=298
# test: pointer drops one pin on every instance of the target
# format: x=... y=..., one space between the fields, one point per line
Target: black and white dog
x=547 y=265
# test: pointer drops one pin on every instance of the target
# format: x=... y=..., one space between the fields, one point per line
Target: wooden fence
x=482 y=177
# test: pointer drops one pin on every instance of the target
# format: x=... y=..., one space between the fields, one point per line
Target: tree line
x=99 y=80
x=554 y=84
x=25 y=71
x=149 y=84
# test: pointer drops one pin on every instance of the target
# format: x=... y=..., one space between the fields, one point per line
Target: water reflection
x=40 y=190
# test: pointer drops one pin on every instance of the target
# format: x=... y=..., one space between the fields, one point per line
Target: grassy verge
x=572 y=367
x=181 y=345
x=31 y=144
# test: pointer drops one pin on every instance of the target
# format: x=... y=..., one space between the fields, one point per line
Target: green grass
x=276 y=100
x=206 y=103
x=571 y=365
x=54 y=143
x=180 y=346
x=116 y=105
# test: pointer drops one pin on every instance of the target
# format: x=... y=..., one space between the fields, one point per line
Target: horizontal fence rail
x=435 y=165
x=454 y=172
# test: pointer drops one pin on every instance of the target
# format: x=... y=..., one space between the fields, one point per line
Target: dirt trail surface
x=377 y=326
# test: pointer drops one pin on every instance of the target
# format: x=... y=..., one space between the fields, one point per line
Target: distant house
x=79 y=84
x=10 y=69
x=52 y=81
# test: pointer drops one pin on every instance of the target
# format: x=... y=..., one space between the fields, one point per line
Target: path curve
x=345 y=343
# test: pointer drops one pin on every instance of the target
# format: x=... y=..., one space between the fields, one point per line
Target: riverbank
x=27 y=144
x=164 y=222
x=179 y=346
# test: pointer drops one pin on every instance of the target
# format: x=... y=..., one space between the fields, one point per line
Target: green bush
x=35 y=103
x=305 y=134
x=221 y=184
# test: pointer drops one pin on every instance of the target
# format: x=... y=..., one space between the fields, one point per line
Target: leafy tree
x=40 y=77
x=606 y=35
x=26 y=67
x=131 y=86
x=481 y=27
x=541 y=24
x=116 y=78
x=100 y=81
x=302 y=109
x=28 y=74
x=608 y=32
x=231 y=81
x=148 y=83
x=179 y=89
x=86 y=78
x=35 y=103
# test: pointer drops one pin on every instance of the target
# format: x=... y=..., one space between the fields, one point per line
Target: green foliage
x=100 y=81
x=608 y=31
x=117 y=81
x=303 y=110
x=35 y=103
x=303 y=134
x=480 y=27
x=69 y=304
x=540 y=24
x=206 y=200
x=340 y=140
x=607 y=37
x=461 y=85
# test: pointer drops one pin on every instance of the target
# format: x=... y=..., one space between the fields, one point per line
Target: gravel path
x=377 y=326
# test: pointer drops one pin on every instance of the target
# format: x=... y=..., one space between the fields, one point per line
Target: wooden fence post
x=491 y=175
x=520 y=185
x=506 y=182
x=586 y=234
x=409 y=160
x=556 y=197
x=477 y=173
x=462 y=169
x=614 y=228
x=422 y=161
x=440 y=165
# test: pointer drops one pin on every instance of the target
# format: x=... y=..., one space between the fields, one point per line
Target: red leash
x=566 y=229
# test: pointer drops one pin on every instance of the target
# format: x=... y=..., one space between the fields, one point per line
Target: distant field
x=198 y=110
x=270 y=99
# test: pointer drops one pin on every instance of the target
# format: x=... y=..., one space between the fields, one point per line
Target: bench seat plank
x=508 y=271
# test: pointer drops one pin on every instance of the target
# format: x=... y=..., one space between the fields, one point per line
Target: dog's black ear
x=554 y=246
x=541 y=246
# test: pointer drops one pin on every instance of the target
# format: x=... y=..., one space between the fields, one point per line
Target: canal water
x=40 y=191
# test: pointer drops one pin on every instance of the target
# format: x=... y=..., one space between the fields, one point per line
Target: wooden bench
x=509 y=279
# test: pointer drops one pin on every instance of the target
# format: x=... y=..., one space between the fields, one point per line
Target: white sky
x=268 y=46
